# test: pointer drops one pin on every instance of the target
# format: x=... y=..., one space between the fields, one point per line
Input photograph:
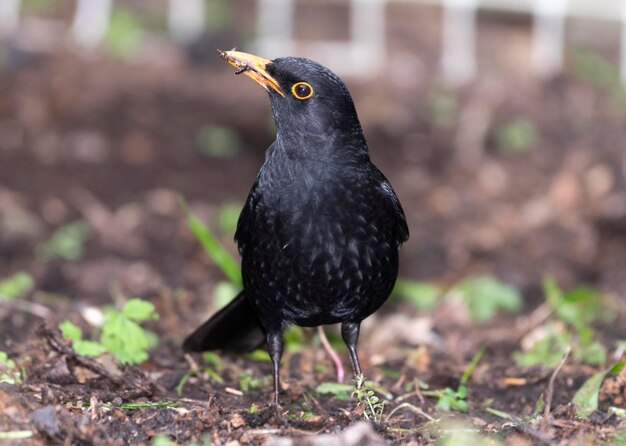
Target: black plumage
x=320 y=231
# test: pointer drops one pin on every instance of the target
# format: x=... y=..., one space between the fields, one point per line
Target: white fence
x=367 y=38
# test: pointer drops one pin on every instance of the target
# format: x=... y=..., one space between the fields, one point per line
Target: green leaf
x=578 y=306
x=228 y=216
x=16 y=286
x=139 y=310
x=212 y=246
x=586 y=399
x=213 y=359
x=224 y=292
x=422 y=294
x=88 y=348
x=124 y=338
x=258 y=355
x=340 y=391
x=500 y=413
x=486 y=295
x=467 y=374
x=70 y=331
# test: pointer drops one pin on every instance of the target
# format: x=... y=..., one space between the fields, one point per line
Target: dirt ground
x=115 y=145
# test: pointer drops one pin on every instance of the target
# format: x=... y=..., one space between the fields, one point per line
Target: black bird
x=321 y=228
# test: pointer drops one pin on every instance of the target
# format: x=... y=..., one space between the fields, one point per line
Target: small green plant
x=16 y=286
x=247 y=381
x=213 y=369
x=485 y=296
x=573 y=313
x=66 y=243
x=451 y=399
x=548 y=350
x=121 y=334
x=9 y=372
x=519 y=135
x=373 y=405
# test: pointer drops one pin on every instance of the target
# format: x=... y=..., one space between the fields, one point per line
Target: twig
x=550 y=391
x=332 y=353
x=58 y=344
x=535 y=436
x=29 y=307
x=412 y=408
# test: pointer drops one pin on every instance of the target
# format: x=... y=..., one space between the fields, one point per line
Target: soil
x=115 y=145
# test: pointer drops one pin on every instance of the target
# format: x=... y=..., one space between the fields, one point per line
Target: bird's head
x=308 y=100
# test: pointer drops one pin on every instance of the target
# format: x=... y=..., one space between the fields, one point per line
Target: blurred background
x=500 y=123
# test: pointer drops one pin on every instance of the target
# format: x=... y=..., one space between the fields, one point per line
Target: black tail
x=234 y=328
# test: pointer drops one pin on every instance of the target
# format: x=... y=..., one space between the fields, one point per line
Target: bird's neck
x=332 y=146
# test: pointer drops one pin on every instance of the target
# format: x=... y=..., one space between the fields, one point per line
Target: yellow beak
x=252 y=66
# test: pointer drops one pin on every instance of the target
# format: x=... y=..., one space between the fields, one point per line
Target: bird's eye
x=302 y=90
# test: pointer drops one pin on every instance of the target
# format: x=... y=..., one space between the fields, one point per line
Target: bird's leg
x=350 y=335
x=275 y=348
x=332 y=353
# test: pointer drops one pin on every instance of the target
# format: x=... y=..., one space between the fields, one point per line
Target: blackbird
x=321 y=228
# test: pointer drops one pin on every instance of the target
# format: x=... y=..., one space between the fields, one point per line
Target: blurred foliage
x=3 y=58
x=16 y=286
x=456 y=433
x=444 y=108
x=247 y=381
x=597 y=71
x=586 y=398
x=228 y=216
x=486 y=295
x=125 y=33
x=294 y=338
x=338 y=390
x=66 y=243
x=519 y=135
x=423 y=295
x=218 y=141
x=224 y=292
x=121 y=333
x=211 y=244
x=548 y=350
x=573 y=312
x=9 y=372
x=219 y=15
x=33 y=6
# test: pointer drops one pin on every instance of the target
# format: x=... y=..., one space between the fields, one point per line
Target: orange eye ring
x=302 y=90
